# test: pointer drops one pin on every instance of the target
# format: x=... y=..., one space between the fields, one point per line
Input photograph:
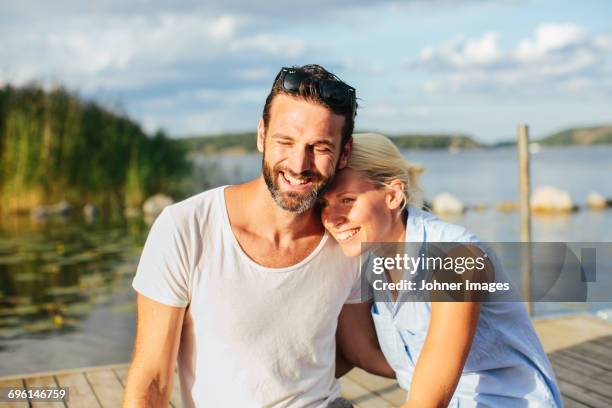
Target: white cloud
x=557 y=58
x=460 y=53
x=90 y=49
x=604 y=42
x=223 y=28
x=269 y=44
x=484 y=50
x=131 y=52
x=550 y=37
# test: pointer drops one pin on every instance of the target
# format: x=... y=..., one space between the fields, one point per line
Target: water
x=65 y=294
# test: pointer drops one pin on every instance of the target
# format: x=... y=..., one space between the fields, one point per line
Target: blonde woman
x=454 y=354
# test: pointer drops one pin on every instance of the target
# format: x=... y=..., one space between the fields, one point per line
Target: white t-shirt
x=252 y=336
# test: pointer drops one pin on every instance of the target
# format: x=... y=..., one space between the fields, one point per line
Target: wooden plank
x=17 y=384
x=577 y=393
x=570 y=403
x=361 y=397
x=122 y=373
x=59 y=372
x=579 y=367
x=583 y=366
x=595 y=350
x=591 y=384
x=47 y=381
x=607 y=379
x=106 y=387
x=605 y=341
x=558 y=333
x=601 y=349
x=603 y=356
x=81 y=394
x=584 y=358
x=589 y=364
x=386 y=388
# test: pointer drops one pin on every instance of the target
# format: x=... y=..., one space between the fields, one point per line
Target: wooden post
x=525 y=213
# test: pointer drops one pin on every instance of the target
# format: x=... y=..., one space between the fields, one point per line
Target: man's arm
x=357 y=342
x=158 y=333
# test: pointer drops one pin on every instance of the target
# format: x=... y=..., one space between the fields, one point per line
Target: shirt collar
x=415 y=230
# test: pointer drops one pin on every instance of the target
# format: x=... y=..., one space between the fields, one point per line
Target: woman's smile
x=346 y=235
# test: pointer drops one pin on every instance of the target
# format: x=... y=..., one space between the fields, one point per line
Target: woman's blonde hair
x=378 y=159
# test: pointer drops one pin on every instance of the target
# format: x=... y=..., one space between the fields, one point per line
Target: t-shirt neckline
x=234 y=241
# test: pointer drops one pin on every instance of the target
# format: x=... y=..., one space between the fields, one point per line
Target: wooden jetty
x=579 y=347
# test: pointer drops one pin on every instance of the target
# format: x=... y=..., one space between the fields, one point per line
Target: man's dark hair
x=310 y=92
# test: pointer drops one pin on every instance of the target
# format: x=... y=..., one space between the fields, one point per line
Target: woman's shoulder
x=438 y=230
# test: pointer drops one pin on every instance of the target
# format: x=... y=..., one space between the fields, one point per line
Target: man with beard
x=242 y=282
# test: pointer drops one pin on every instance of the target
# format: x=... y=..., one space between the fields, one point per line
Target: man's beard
x=292 y=200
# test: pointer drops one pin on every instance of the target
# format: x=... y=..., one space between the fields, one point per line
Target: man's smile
x=295 y=183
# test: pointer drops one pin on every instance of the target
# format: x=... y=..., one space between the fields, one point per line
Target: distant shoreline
x=245 y=142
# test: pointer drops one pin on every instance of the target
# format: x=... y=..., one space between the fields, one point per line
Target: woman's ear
x=395 y=194
x=261 y=135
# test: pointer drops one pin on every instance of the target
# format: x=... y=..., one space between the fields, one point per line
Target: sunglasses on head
x=333 y=91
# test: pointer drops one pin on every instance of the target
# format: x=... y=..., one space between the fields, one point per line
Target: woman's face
x=354 y=211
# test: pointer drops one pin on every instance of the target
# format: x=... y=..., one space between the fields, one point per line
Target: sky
x=190 y=67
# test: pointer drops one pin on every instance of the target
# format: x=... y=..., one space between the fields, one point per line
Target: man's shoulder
x=200 y=206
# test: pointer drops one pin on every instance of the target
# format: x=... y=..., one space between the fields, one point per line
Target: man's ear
x=395 y=194
x=346 y=152
x=261 y=135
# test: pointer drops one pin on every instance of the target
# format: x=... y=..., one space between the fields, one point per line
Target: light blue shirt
x=506 y=366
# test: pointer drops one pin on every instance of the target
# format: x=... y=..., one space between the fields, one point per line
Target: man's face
x=301 y=150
